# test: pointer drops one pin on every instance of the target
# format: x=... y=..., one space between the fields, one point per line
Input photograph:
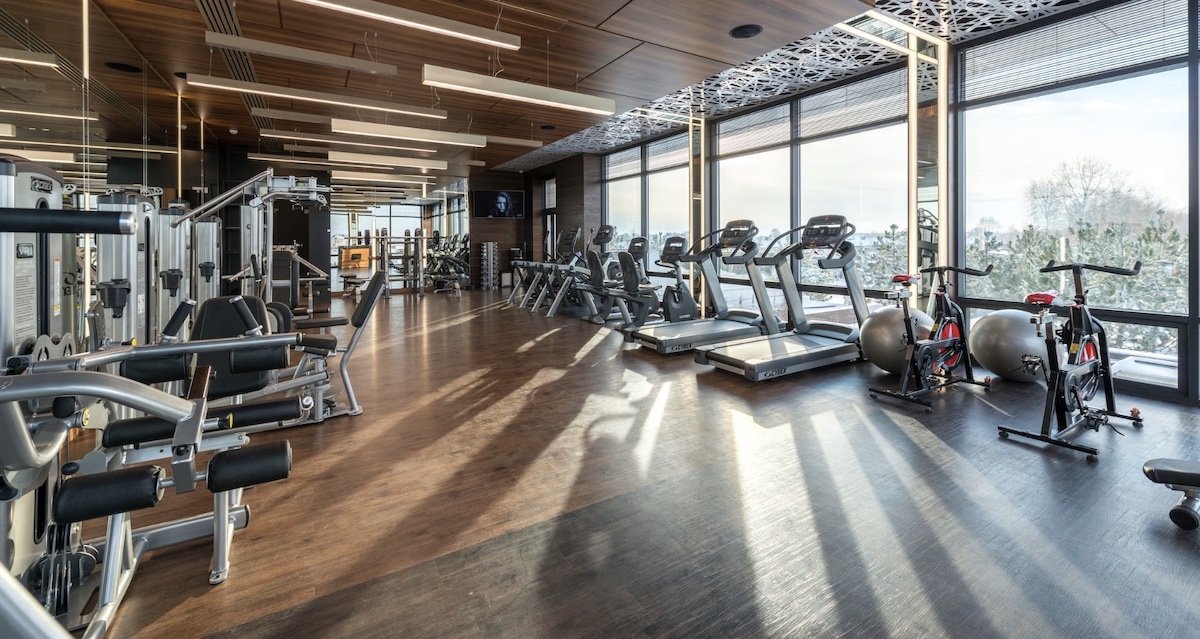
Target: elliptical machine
x=1088 y=366
x=930 y=363
x=677 y=303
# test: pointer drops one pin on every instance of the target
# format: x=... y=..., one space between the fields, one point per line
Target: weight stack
x=489 y=252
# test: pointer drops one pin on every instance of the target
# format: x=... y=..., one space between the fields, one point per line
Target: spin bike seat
x=905 y=279
x=1045 y=298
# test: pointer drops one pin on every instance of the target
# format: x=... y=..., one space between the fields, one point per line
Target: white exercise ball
x=882 y=336
x=999 y=341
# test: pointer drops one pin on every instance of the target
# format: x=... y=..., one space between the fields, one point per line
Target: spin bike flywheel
x=1083 y=384
x=949 y=357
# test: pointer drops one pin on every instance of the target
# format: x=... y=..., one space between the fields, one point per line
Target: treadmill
x=809 y=344
x=726 y=324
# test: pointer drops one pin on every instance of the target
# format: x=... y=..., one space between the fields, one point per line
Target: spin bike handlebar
x=1078 y=267
x=941 y=270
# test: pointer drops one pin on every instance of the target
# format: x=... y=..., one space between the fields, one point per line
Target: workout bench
x=1182 y=475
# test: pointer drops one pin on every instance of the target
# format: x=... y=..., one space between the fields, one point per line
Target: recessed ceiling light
x=745 y=31
x=122 y=67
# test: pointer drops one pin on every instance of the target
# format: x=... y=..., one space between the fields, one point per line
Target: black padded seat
x=302 y=324
x=215 y=319
x=1178 y=472
x=322 y=341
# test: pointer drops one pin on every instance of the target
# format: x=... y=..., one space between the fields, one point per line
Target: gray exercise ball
x=882 y=336
x=1001 y=338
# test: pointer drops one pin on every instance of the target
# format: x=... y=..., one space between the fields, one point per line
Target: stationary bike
x=1088 y=368
x=678 y=305
x=930 y=363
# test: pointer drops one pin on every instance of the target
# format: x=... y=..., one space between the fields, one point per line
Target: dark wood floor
x=518 y=476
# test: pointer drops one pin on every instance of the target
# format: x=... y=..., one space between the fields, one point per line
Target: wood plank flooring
x=518 y=476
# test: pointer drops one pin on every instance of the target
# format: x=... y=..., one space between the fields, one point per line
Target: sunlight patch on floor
x=876 y=540
x=534 y=342
x=589 y=346
x=1039 y=550
x=643 y=451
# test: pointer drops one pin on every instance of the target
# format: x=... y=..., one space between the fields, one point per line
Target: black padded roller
x=138 y=430
x=154 y=370
x=67 y=221
x=257 y=413
x=243 y=311
x=249 y=466
x=253 y=360
x=104 y=494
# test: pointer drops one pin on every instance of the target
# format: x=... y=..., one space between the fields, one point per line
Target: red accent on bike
x=950 y=355
x=1041 y=299
x=905 y=279
x=1088 y=352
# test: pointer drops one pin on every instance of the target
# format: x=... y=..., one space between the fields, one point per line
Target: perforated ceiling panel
x=801 y=66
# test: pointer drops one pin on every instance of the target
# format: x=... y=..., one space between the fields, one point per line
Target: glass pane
x=1097 y=174
x=670 y=200
x=757 y=187
x=835 y=180
x=623 y=208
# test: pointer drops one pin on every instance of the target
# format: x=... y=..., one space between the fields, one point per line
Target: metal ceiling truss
x=822 y=58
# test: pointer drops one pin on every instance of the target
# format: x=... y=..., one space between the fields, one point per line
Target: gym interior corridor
x=518 y=476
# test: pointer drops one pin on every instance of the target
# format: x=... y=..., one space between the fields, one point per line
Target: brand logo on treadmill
x=24 y=251
x=778 y=372
x=41 y=185
x=679 y=348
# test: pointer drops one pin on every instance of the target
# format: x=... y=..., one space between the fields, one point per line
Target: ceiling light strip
x=496 y=139
x=416 y=20
x=46 y=112
x=479 y=84
x=391 y=131
x=94 y=147
x=289 y=159
x=334 y=139
x=256 y=88
x=285 y=52
x=21 y=84
x=387 y=160
x=290 y=116
x=21 y=56
x=387 y=178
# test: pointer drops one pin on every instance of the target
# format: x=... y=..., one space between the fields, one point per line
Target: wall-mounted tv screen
x=498 y=203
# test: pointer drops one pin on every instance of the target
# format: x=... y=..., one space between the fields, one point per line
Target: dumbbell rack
x=489 y=261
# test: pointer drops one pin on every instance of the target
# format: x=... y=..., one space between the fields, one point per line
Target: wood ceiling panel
x=585 y=12
x=701 y=27
x=629 y=51
x=268 y=13
x=651 y=71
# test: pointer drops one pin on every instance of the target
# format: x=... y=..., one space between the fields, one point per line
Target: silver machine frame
x=31 y=437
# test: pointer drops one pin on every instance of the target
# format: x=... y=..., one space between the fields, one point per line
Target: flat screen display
x=498 y=204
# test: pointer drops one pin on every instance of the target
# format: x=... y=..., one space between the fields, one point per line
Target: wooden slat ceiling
x=629 y=50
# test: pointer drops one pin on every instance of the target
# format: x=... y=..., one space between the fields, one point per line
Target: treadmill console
x=568 y=240
x=825 y=231
x=637 y=248
x=604 y=234
x=736 y=233
x=673 y=247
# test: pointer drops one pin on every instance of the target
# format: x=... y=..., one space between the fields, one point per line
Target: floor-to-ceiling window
x=668 y=194
x=1077 y=151
x=622 y=196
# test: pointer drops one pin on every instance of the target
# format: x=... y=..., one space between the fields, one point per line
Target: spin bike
x=1070 y=386
x=930 y=363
